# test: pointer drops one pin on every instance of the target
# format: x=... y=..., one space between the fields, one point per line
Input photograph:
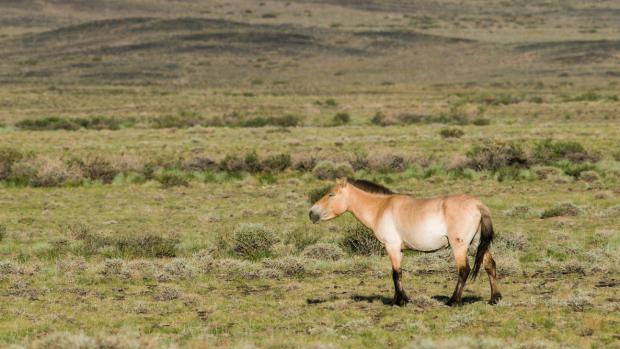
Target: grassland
x=144 y=145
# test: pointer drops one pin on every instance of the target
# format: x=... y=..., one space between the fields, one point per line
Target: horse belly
x=431 y=235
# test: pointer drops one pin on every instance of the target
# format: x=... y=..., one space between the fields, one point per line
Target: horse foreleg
x=396 y=256
x=462 y=265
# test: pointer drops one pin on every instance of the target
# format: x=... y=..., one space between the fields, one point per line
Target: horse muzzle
x=314 y=217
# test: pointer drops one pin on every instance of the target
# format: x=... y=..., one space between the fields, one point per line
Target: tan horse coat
x=403 y=222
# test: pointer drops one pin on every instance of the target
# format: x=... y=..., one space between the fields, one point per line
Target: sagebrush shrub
x=276 y=162
x=481 y=122
x=289 y=266
x=562 y=209
x=8 y=157
x=253 y=241
x=381 y=119
x=48 y=123
x=388 y=162
x=329 y=170
x=493 y=156
x=315 y=194
x=170 y=178
x=301 y=237
x=323 y=251
x=359 y=240
x=341 y=118
x=97 y=168
x=451 y=133
x=130 y=245
x=548 y=152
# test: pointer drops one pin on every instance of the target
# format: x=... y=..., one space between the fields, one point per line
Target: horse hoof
x=401 y=302
x=495 y=298
x=453 y=303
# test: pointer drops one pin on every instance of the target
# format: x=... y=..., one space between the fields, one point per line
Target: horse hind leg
x=462 y=265
x=489 y=267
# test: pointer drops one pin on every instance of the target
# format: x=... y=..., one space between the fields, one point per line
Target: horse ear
x=342 y=182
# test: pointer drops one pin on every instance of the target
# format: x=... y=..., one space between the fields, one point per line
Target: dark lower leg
x=456 y=298
x=400 y=297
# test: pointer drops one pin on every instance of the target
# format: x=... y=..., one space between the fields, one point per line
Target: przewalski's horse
x=403 y=222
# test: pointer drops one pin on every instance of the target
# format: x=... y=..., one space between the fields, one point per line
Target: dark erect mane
x=369 y=186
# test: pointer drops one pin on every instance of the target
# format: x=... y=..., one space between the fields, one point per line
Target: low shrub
x=97 y=168
x=589 y=176
x=253 y=241
x=451 y=133
x=172 y=178
x=303 y=162
x=301 y=238
x=260 y=121
x=548 y=152
x=48 y=123
x=562 y=209
x=200 y=163
x=252 y=162
x=511 y=241
x=408 y=118
x=8 y=157
x=493 y=156
x=2 y=232
x=289 y=266
x=315 y=194
x=522 y=211
x=331 y=102
x=126 y=246
x=388 y=162
x=104 y=123
x=359 y=240
x=574 y=169
x=323 y=251
x=232 y=163
x=341 y=118
x=381 y=119
x=275 y=163
x=176 y=121
x=481 y=122
x=43 y=172
x=329 y=170
x=499 y=99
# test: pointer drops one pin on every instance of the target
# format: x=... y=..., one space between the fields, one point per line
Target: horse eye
x=331 y=195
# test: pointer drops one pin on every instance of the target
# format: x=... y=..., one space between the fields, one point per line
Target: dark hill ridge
x=182 y=35
x=302 y=41
x=574 y=51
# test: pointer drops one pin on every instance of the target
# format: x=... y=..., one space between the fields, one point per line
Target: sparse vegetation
x=562 y=209
x=451 y=133
x=166 y=127
x=341 y=118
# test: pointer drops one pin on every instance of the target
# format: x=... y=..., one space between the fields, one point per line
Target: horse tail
x=486 y=236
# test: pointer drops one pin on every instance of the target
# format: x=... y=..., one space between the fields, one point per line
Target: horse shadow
x=372 y=298
x=388 y=300
x=465 y=299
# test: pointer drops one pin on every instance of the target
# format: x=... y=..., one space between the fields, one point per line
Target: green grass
x=155 y=177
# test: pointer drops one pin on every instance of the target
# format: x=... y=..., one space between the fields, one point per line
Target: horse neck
x=365 y=206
